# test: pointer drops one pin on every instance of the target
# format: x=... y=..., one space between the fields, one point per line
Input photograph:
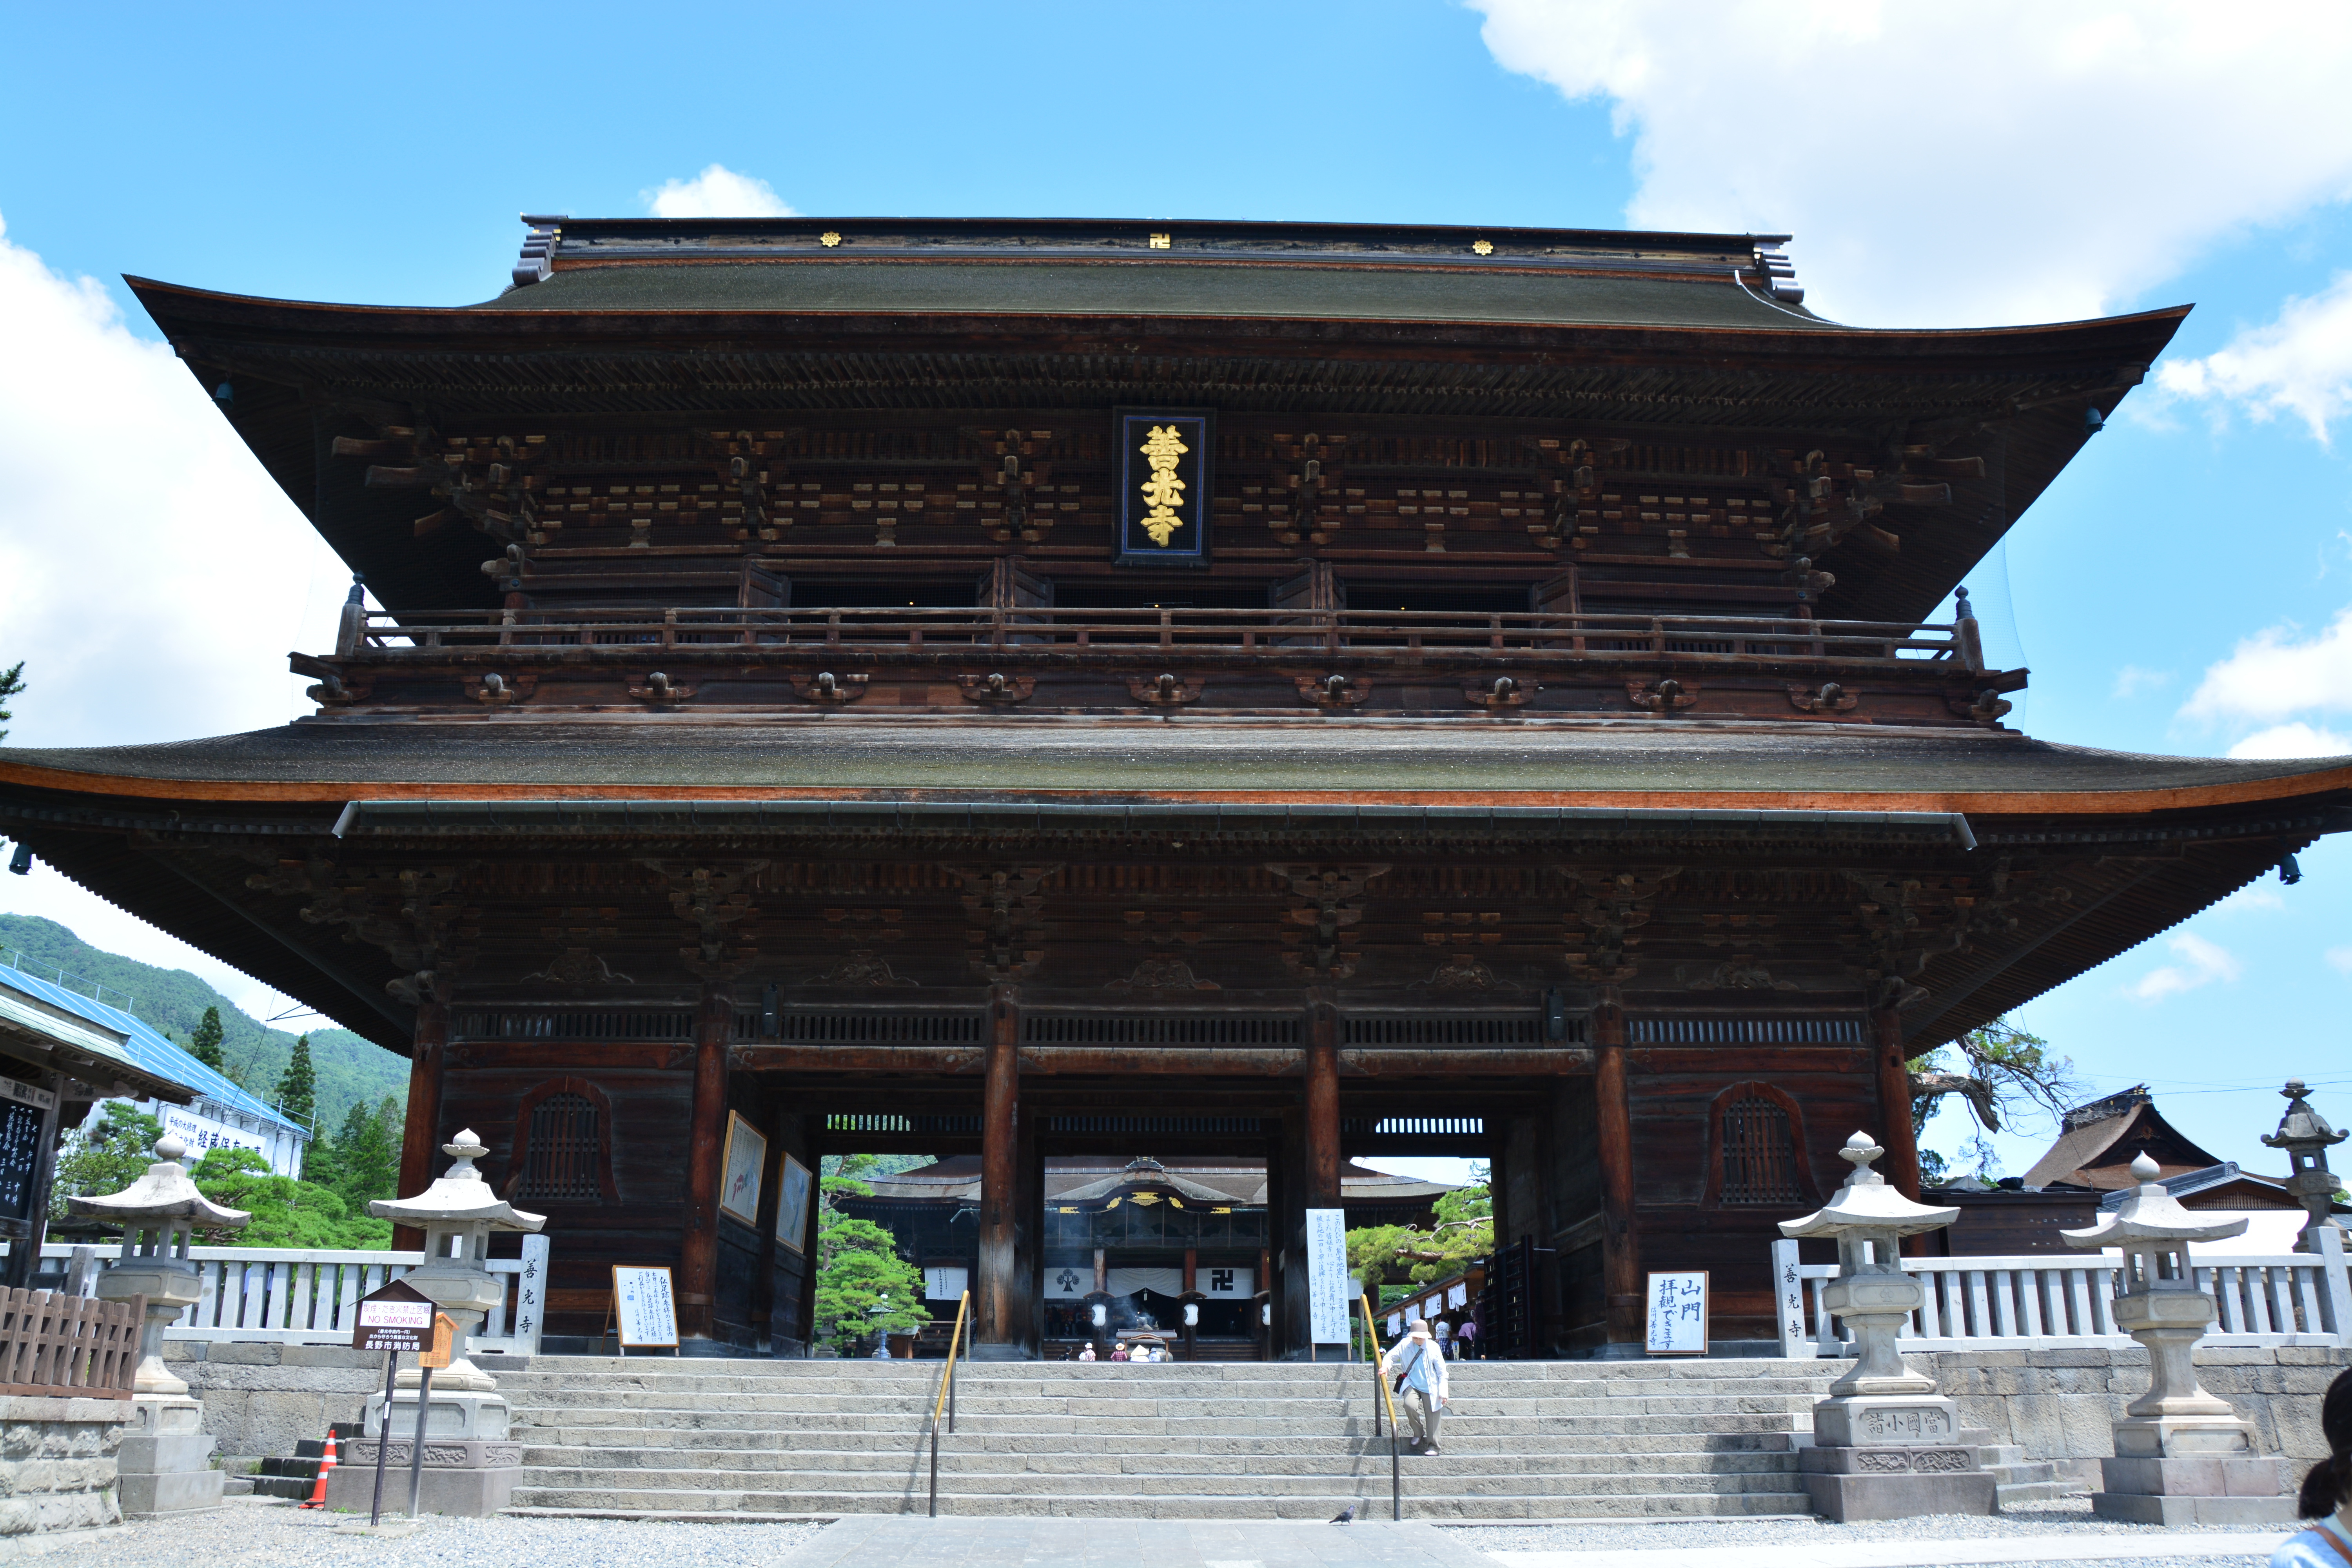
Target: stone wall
x=262 y=1399
x=2060 y=1404
x=57 y=1467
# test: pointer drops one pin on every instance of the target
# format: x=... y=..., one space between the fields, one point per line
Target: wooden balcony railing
x=1394 y=633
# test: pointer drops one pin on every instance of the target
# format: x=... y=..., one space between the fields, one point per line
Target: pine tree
x=12 y=683
x=297 y=1091
x=205 y=1044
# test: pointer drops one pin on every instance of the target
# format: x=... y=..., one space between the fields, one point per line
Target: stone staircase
x=1280 y=1440
x=2016 y=1478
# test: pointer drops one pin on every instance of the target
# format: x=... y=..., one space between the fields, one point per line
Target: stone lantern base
x=1891 y=1456
x=471 y=1464
x=165 y=1468
x=2191 y=1469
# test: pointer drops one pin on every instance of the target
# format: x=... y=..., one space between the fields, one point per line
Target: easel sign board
x=1677 y=1315
x=396 y=1318
x=642 y=1308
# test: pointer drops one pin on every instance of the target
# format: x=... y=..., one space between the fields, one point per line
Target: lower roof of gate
x=1632 y=764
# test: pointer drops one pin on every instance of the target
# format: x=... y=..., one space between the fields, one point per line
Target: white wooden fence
x=2045 y=1301
x=293 y=1297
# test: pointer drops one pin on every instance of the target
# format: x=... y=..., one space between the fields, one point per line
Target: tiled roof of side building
x=1647 y=763
x=150 y=1050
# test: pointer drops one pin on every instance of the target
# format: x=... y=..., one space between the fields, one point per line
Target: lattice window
x=1757 y=1148
x=563 y=1153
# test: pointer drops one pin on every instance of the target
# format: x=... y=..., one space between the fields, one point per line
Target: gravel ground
x=2062 y=1516
x=251 y=1533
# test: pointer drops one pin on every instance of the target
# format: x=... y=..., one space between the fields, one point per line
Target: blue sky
x=2174 y=591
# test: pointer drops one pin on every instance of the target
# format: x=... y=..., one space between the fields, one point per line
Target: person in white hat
x=1417 y=1366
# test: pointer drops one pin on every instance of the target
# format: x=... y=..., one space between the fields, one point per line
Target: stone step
x=771 y=1366
x=1154 y=1383
x=1461 y=1439
x=907 y=1430
x=1463 y=1482
x=1456 y=1463
x=1373 y=1499
x=1467 y=1402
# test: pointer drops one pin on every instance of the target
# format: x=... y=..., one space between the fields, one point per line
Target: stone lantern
x=1886 y=1445
x=2182 y=1457
x=2305 y=1136
x=470 y=1461
x=165 y=1462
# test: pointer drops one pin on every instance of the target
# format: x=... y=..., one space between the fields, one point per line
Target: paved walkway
x=884 y=1541
x=1930 y=1553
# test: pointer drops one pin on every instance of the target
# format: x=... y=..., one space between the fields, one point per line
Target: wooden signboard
x=1677 y=1314
x=444 y=1337
x=644 y=1312
x=396 y=1318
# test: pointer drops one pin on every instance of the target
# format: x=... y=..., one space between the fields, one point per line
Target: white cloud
x=153 y=578
x=2299 y=365
x=2252 y=899
x=717 y=192
x=2131 y=680
x=2284 y=740
x=2199 y=962
x=2271 y=680
x=2339 y=959
x=1960 y=165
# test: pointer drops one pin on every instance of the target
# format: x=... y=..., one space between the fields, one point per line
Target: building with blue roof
x=220 y=1114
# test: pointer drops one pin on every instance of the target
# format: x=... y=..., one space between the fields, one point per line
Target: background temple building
x=1039 y=692
x=1146 y=1233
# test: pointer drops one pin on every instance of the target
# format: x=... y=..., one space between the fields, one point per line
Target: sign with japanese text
x=1164 y=460
x=399 y=1317
x=1677 y=1315
x=1327 y=1275
x=642 y=1306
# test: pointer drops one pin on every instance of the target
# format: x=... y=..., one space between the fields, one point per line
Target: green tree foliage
x=362 y=1161
x=286 y=1212
x=205 y=1040
x=12 y=684
x=298 y=1086
x=104 y=1158
x=348 y=1068
x=859 y=1271
x=1402 y=1256
x=2002 y=1071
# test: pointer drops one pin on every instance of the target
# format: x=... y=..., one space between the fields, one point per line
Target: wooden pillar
x=1191 y=1268
x=1902 y=1163
x=1322 y=1105
x=420 y=1138
x=998 y=1286
x=697 y=1271
x=1622 y=1241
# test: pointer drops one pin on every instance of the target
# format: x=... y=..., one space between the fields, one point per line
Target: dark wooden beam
x=420 y=1139
x=998 y=1290
x=705 y=1147
x=1622 y=1254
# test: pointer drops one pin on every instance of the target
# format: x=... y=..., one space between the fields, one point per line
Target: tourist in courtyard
x=1466 y=1339
x=1418 y=1367
x=1087 y=1351
x=2327 y=1498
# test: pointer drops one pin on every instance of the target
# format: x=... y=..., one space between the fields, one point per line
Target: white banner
x=1069 y=1281
x=1327 y=1275
x=1165 y=1281
x=1225 y=1284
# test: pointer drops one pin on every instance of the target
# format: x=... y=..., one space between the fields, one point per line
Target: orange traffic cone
x=326 y=1468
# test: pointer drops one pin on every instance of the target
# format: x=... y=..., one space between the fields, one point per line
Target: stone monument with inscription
x=1886 y=1444
x=2182 y=1456
x=471 y=1461
x=165 y=1464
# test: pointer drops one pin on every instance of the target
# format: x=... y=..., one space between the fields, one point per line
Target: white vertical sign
x=1327 y=1275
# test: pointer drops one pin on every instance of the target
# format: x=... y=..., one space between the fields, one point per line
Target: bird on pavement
x=1346 y=1515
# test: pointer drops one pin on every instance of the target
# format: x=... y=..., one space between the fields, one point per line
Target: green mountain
x=348 y=1068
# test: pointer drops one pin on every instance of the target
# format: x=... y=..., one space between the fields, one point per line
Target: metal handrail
x=945 y=1401
x=1396 y=1466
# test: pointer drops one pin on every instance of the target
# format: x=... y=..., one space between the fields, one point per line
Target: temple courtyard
x=249 y=1533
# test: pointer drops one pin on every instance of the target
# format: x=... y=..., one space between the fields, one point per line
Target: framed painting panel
x=794 y=1188
x=739 y=1172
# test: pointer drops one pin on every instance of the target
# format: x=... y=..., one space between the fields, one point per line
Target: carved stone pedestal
x=471 y=1463
x=1893 y=1457
x=164 y=1467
